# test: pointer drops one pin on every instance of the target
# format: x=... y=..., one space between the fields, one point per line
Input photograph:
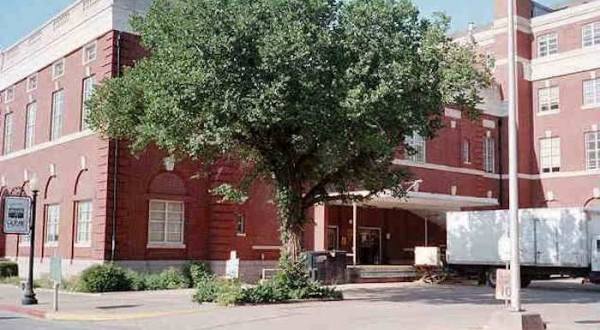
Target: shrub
x=229 y=292
x=104 y=278
x=206 y=290
x=196 y=272
x=8 y=269
x=136 y=280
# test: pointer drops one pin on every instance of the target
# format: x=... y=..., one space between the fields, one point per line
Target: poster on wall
x=17 y=214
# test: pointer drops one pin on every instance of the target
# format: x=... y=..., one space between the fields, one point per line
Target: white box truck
x=554 y=241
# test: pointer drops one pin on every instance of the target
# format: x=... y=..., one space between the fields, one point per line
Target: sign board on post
x=232 y=266
x=56 y=269
x=17 y=215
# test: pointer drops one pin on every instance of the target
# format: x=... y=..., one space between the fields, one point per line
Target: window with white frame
x=30 y=118
x=240 y=225
x=550 y=154
x=592 y=150
x=88 y=89
x=32 y=82
x=548 y=100
x=416 y=148
x=466 y=151
x=591 y=91
x=58 y=69
x=52 y=222
x=89 y=53
x=8 y=133
x=489 y=155
x=590 y=34
x=165 y=222
x=56 y=122
x=9 y=94
x=547 y=44
x=84 y=222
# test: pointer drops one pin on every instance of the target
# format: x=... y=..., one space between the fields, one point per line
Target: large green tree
x=315 y=95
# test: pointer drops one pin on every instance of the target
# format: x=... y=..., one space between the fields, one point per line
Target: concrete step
x=381 y=273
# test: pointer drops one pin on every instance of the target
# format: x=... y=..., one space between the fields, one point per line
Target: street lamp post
x=513 y=184
x=29 y=296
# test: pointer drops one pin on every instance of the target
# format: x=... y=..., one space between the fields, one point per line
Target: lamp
x=29 y=297
x=34 y=183
x=169 y=163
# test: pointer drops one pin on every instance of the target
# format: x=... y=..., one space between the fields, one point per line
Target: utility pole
x=513 y=183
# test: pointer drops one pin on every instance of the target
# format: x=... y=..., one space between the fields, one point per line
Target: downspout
x=500 y=169
x=113 y=246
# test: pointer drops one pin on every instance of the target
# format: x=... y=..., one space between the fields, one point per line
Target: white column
x=354 y=232
x=513 y=183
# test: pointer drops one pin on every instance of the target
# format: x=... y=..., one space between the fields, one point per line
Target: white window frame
x=550 y=154
x=84 y=54
x=83 y=234
x=9 y=94
x=55 y=74
x=57 y=115
x=418 y=143
x=165 y=243
x=592 y=155
x=30 y=121
x=8 y=133
x=87 y=89
x=547 y=44
x=240 y=219
x=549 y=97
x=466 y=151
x=590 y=35
x=489 y=155
x=52 y=236
x=32 y=86
x=591 y=92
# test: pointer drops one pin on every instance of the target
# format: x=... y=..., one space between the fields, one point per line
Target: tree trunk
x=291 y=221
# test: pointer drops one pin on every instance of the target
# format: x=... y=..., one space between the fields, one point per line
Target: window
x=88 y=88
x=547 y=44
x=166 y=222
x=240 y=225
x=550 y=154
x=58 y=104
x=32 y=82
x=89 y=53
x=52 y=221
x=84 y=222
x=591 y=91
x=30 y=115
x=416 y=148
x=8 y=133
x=592 y=150
x=590 y=35
x=489 y=156
x=9 y=94
x=333 y=238
x=466 y=151
x=58 y=69
x=548 y=100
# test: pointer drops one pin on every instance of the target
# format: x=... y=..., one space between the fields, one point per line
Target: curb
x=37 y=313
x=60 y=316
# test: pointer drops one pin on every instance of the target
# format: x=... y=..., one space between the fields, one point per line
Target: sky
x=19 y=17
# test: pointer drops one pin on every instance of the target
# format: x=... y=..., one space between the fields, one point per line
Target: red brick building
x=99 y=203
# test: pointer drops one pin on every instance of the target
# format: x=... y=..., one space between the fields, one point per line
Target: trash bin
x=327 y=267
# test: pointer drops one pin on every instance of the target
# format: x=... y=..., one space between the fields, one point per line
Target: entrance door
x=369 y=246
x=596 y=254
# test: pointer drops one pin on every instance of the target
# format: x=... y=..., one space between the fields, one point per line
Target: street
x=564 y=305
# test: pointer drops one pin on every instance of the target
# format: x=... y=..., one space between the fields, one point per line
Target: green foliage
x=8 y=269
x=104 y=278
x=221 y=291
x=315 y=95
x=14 y=280
x=195 y=273
x=206 y=290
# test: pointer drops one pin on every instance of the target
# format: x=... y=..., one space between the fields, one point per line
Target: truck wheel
x=491 y=277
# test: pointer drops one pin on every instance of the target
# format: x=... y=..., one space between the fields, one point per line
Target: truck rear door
x=596 y=254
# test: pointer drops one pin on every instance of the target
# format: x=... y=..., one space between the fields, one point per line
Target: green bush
x=206 y=290
x=196 y=272
x=104 y=278
x=8 y=269
x=136 y=280
x=229 y=292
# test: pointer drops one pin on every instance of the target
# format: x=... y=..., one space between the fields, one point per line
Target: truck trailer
x=554 y=242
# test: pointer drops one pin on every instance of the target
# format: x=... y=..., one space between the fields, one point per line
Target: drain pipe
x=113 y=246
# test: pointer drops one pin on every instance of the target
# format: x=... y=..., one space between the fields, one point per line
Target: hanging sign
x=17 y=215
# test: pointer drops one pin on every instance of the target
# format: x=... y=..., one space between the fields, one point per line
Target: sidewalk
x=104 y=306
